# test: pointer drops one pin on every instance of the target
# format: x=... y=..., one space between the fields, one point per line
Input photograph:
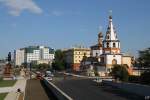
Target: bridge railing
x=60 y=95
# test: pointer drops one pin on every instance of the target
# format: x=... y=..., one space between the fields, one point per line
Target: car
x=49 y=78
x=49 y=73
x=39 y=76
x=98 y=80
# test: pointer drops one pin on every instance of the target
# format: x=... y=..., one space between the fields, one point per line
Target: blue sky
x=65 y=23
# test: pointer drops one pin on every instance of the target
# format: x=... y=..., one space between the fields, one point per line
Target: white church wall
x=96 y=51
x=109 y=59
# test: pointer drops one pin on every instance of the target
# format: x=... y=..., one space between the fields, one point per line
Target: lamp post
x=30 y=69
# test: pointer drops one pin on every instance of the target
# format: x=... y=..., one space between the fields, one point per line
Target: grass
x=2 y=96
x=7 y=83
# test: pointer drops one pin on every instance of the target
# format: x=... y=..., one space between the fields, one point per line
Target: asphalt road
x=86 y=89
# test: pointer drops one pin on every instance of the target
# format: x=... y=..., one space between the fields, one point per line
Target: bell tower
x=111 y=44
x=111 y=47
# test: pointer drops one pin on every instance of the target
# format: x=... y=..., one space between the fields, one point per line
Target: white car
x=98 y=80
x=49 y=78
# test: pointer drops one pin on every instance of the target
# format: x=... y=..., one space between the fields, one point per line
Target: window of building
x=114 y=45
x=114 y=61
x=107 y=36
x=107 y=45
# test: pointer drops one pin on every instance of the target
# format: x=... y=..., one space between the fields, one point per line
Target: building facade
x=97 y=50
x=19 y=56
x=74 y=56
x=108 y=51
x=39 y=54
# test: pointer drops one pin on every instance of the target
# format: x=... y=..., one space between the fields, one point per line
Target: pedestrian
x=19 y=90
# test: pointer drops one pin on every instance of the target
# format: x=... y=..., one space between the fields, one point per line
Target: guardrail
x=82 y=76
x=60 y=95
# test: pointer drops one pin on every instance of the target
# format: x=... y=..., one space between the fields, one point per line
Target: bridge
x=67 y=87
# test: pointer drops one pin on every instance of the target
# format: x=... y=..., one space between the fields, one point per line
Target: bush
x=120 y=72
x=145 y=77
x=134 y=79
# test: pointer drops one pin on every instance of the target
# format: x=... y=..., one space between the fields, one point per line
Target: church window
x=107 y=45
x=107 y=36
x=114 y=61
x=114 y=45
x=96 y=54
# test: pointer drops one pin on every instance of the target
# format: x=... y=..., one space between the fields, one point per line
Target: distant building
x=19 y=56
x=39 y=54
x=74 y=56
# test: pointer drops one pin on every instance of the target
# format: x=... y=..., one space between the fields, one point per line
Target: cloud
x=16 y=7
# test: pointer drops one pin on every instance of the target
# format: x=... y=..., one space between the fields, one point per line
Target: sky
x=65 y=23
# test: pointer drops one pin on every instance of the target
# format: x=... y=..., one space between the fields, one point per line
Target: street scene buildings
x=42 y=57
x=39 y=54
x=103 y=55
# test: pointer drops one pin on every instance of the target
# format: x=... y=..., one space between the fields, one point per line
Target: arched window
x=96 y=54
x=114 y=61
x=114 y=45
x=107 y=45
x=107 y=36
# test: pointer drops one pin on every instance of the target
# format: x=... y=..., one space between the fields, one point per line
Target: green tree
x=25 y=65
x=59 y=62
x=120 y=72
x=144 y=61
x=43 y=66
x=144 y=58
x=145 y=77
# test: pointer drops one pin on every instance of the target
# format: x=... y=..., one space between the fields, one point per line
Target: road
x=86 y=89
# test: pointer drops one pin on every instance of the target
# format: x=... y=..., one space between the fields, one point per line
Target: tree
x=145 y=77
x=43 y=66
x=144 y=58
x=25 y=65
x=59 y=62
x=120 y=72
x=144 y=61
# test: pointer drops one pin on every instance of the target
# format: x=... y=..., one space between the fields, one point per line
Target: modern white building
x=40 y=54
x=19 y=56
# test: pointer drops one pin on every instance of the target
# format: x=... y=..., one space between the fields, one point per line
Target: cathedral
x=107 y=50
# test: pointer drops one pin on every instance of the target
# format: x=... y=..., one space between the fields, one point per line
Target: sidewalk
x=13 y=95
x=35 y=91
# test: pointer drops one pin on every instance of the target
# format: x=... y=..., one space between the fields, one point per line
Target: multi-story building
x=74 y=56
x=19 y=56
x=39 y=54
